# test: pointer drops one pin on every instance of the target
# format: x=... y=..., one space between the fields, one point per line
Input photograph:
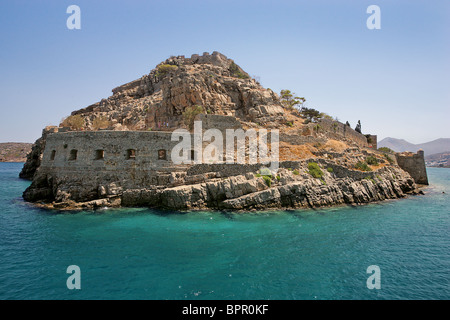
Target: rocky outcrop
x=34 y=157
x=292 y=188
x=159 y=99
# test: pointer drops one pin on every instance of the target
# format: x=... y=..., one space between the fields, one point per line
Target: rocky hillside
x=441 y=160
x=158 y=100
x=14 y=151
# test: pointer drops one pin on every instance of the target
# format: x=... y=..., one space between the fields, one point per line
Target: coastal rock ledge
x=293 y=187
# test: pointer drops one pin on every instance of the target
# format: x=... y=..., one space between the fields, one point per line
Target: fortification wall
x=372 y=140
x=414 y=164
x=91 y=165
x=332 y=129
x=337 y=130
x=108 y=150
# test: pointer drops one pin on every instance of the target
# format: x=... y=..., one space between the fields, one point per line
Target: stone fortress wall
x=414 y=164
x=143 y=150
x=107 y=162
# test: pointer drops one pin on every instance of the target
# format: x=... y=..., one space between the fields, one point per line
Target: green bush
x=372 y=160
x=189 y=115
x=314 y=170
x=258 y=175
x=236 y=72
x=330 y=169
x=362 y=165
x=268 y=180
x=388 y=158
x=370 y=179
x=295 y=172
x=164 y=68
x=386 y=149
x=265 y=172
x=317 y=127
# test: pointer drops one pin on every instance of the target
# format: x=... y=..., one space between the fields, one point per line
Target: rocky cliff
x=159 y=99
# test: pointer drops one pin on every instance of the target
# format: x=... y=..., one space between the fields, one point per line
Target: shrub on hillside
x=314 y=170
x=165 y=68
x=75 y=122
x=362 y=165
x=386 y=149
x=101 y=122
x=372 y=160
x=189 y=115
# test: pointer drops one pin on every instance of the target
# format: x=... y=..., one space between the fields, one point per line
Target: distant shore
x=14 y=151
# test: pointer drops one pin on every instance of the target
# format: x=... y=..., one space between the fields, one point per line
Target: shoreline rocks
x=289 y=189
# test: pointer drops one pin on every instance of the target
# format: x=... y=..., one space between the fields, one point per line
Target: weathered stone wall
x=103 y=164
x=96 y=169
x=414 y=164
x=220 y=122
x=338 y=131
x=115 y=145
x=372 y=141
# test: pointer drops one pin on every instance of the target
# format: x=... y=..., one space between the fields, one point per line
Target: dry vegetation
x=295 y=152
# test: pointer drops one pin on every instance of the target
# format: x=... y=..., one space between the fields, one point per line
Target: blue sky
x=395 y=80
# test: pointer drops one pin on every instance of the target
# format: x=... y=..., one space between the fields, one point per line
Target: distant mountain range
x=431 y=147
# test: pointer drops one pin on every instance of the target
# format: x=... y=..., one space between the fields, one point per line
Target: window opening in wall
x=53 y=154
x=162 y=154
x=73 y=154
x=99 y=154
x=131 y=154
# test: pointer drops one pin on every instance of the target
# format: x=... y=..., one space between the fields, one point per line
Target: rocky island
x=119 y=151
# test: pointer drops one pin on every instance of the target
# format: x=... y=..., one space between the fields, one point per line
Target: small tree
x=324 y=115
x=289 y=100
x=189 y=115
x=311 y=115
x=347 y=124
x=358 y=127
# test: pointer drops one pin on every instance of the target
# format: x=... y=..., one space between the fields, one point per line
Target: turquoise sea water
x=303 y=254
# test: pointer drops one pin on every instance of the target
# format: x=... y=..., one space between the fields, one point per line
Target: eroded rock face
x=158 y=100
x=291 y=188
x=35 y=156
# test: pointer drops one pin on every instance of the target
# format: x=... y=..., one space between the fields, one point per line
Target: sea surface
x=298 y=254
